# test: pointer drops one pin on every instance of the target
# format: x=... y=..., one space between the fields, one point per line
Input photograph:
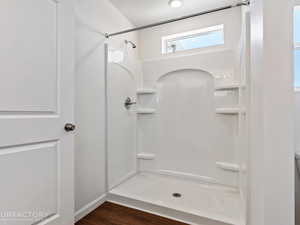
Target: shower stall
x=176 y=128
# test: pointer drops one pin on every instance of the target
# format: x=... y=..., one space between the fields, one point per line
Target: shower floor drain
x=176 y=195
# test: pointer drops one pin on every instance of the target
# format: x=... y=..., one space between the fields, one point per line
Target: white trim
x=88 y=208
x=271 y=186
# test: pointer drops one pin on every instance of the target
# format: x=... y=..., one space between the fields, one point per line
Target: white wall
x=150 y=39
x=272 y=117
x=93 y=18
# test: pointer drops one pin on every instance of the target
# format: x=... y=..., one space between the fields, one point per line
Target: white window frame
x=189 y=34
x=297 y=44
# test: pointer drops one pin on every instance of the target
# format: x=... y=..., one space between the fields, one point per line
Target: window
x=297 y=46
x=207 y=37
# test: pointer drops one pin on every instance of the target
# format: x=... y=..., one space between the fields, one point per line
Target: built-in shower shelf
x=145 y=91
x=145 y=111
x=228 y=87
x=228 y=166
x=145 y=156
x=230 y=110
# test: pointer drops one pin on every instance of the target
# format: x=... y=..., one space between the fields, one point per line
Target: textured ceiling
x=142 y=12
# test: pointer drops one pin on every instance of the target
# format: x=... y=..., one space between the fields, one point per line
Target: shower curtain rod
x=107 y=35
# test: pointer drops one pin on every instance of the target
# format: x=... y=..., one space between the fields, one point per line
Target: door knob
x=70 y=127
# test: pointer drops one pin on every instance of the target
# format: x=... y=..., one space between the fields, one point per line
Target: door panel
x=27 y=168
x=29 y=55
x=36 y=101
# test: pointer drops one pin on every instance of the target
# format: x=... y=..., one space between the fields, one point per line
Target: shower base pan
x=180 y=199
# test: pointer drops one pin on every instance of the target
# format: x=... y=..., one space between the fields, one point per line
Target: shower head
x=130 y=42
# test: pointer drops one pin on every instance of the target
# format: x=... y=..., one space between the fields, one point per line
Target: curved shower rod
x=244 y=3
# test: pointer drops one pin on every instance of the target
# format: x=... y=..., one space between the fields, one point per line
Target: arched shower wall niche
x=199 y=142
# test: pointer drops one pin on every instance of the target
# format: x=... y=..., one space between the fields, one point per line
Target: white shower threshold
x=199 y=204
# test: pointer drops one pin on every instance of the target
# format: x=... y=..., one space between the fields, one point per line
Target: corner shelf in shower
x=228 y=166
x=232 y=86
x=145 y=156
x=230 y=110
x=145 y=91
x=145 y=111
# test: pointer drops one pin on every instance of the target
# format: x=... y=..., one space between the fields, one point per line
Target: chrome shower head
x=130 y=42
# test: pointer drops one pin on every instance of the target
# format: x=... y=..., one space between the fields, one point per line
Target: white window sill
x=297 y=89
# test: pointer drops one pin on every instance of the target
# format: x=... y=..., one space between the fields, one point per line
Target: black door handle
x=70 y=127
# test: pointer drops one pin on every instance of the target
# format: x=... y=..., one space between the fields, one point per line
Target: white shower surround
x=216 y=151
x=215 y=79
x=121 y=158
x=199 y=163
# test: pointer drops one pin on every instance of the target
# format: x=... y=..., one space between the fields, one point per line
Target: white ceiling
x=143 y=12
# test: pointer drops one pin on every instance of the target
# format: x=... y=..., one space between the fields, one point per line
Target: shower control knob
x=128 y=103
x=70 y=127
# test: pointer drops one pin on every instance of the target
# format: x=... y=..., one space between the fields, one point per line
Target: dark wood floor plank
x=113 y=214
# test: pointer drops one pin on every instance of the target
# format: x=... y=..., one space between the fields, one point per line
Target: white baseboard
x=79 y=214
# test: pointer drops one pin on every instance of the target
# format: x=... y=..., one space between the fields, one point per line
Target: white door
x=36 y=101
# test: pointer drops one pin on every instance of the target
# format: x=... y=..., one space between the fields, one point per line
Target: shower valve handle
x=128 y=103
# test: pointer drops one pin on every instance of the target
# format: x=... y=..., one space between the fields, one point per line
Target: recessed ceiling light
x=175 y=3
